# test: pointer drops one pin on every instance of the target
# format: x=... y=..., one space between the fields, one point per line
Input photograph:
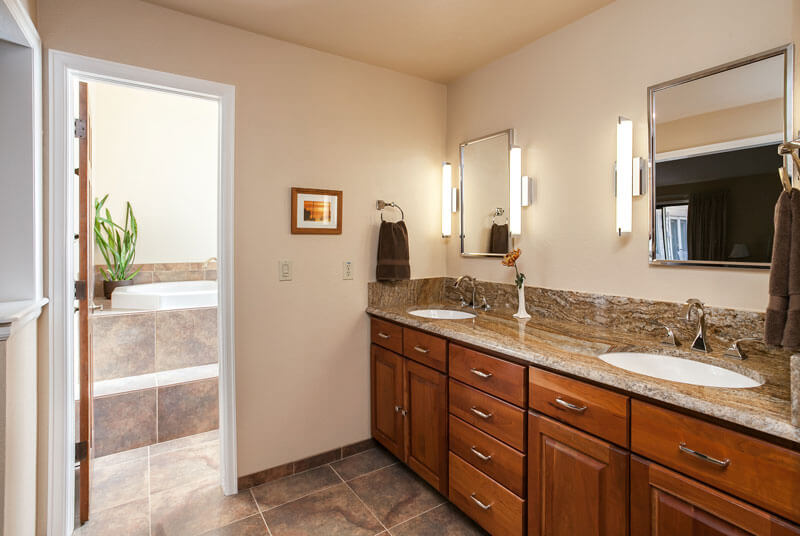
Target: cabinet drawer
x=426 y=349
x=488 y=503
x=593 y=409
x=495 y=376
x=752 y=469
x=388 y=335
x=493 y=457
x=490 y=414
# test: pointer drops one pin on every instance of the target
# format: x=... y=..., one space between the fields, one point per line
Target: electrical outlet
x=347 y=270
x=284 y=270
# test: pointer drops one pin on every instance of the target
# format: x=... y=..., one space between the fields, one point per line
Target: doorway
x=146 y=163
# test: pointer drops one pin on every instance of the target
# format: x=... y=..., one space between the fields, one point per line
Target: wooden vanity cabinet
x=665 y=503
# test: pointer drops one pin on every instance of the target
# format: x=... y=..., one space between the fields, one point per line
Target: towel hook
x=380 y=205
x=790 y=148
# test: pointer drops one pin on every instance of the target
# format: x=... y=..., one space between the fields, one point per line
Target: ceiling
x=434 y=39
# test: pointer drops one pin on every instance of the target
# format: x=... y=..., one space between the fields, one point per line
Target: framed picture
x=316 y=211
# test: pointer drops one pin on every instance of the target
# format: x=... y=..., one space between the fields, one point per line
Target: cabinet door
x=387 y=399
x=577 y=484
x=426 y=423
x=664 y=503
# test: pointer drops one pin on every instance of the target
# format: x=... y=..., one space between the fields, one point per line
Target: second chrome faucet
x=476 y=293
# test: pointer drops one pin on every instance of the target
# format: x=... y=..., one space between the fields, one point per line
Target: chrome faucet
x=735 y=351
x=699 y=343
x=209 y=261
x=475 y=290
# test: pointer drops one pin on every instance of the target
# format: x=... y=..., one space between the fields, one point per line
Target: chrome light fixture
x=624 y=175
x=515 y=189
x=527 y=191
x=447 y=199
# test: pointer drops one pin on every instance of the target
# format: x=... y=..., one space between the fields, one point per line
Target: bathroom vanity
x=527 y=432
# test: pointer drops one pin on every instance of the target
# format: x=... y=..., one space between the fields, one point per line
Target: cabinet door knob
x=479 y=503
x=421 y=350
x=383 y=335
x=706 y=458
x=480 y=454
x=401 y=410
x=572 y=407
x=480 y=373
x=480 y=413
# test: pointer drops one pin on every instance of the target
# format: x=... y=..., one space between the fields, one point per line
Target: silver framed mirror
x=484 y=168
x=713 y=139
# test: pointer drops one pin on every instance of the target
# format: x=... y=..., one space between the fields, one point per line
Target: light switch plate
x=347 y=270
x=284 y=270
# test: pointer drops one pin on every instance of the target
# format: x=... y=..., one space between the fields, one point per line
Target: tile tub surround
x=135 y=343
x=160 y=272
x=569 y=330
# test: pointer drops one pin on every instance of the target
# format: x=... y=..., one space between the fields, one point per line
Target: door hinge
x=80 y=128
x=80 y=290
x=81 y=451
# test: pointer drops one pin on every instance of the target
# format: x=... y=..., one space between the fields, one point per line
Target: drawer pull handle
x=572 y=407
x=421 y=350
x=481 y=374
x=479 y=503
x=479 y=413
x=480 y=454
x=383 y=335
x=699 y=455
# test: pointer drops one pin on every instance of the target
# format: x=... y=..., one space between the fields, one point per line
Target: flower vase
x=521 y=312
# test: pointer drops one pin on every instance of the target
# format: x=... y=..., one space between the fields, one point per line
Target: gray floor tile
x=363 y=463
x=277 y=492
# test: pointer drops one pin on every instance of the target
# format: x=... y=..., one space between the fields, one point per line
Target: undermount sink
x=679 y=370
x=442 y=314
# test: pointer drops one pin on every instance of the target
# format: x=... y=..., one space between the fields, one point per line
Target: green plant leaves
x=117 y=244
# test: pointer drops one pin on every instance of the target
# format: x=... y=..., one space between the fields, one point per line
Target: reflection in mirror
x=713 y=144
x=485 y=195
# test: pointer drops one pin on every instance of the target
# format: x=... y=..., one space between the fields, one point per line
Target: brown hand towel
x=779 y=272
x=791 y=333
x=498 y=239
x=393 y=262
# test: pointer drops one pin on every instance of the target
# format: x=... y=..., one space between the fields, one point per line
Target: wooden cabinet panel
x=500 y=378
x=577 y=484
x=598 y=411
x=493 y=457
x=426 y=423
x=426 y=349
x=757 y=471
x=386 y=334
x=387 y=399
x=485 y=501
x=500 y=419
x=664 y=503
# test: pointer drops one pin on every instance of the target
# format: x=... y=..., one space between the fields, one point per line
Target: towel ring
x=498 y=212
x=380 y=205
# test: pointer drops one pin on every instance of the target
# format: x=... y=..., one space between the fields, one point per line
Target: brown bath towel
x=791 y=333
x=393 y=262
x=779 y=272
x=498 y=239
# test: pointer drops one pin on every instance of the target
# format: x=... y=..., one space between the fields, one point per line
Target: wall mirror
x=485 y=172
x=714 y=180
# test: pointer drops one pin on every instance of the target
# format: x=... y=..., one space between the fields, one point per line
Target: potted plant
x=117 y=244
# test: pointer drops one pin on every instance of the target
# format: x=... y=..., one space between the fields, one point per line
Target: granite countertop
x=573 y=348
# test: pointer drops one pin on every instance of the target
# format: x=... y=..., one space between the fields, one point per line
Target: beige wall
x=740 y=122
x=563 y=94
x=160 y=152
x=303 y=118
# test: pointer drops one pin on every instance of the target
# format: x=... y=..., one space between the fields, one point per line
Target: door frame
x=64 y=69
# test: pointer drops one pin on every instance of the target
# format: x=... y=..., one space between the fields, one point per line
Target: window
x=671 y=238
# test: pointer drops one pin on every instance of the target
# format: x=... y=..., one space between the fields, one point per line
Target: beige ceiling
x=434 y=39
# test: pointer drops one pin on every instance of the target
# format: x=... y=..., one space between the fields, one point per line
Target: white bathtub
x=171 y=295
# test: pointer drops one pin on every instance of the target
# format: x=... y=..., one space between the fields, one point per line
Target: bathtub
x=161 y=296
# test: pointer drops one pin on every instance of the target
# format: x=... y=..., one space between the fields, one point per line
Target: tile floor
x=171 y=489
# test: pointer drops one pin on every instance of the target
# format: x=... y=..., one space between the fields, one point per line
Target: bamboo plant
x=116 y=243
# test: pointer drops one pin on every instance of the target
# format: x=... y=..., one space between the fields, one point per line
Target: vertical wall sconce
x=447 y=199
x=515 y=188
x=624 y=175
x=527 y=191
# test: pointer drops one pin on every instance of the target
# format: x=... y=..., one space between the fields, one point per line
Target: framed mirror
x=714 y=139
x=485 y=200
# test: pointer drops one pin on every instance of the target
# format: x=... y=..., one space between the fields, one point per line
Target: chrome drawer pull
x=383 y=335
x=719 y=463
x=479 y=454
x=421 y=350
x=479 y=503
x=479 y=413
x=572 y=407
x=481 y=374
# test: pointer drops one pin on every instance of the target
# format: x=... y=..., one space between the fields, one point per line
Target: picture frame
x=316 y=211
